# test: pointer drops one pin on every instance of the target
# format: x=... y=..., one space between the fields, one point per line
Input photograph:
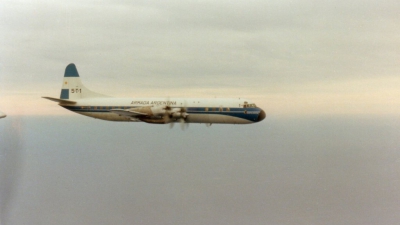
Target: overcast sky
x=307 y=58
x=303 y=57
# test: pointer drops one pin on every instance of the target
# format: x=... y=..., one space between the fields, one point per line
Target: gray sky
x=290 y=171
x=312 y=57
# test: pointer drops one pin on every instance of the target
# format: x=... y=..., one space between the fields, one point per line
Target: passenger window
x=206 y=109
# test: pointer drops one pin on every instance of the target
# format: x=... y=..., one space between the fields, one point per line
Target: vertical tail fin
x=72 y=87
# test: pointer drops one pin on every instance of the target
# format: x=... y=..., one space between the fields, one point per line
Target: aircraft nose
x=261 y=116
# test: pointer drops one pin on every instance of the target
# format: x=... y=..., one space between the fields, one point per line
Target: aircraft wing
x=61 y=101
x=128 y=112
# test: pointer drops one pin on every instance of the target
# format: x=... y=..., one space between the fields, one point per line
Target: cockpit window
x=249 y=105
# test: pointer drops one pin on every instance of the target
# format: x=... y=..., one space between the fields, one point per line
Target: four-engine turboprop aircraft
x=77 y=98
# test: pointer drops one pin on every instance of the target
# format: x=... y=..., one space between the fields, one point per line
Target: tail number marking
x=76 y=90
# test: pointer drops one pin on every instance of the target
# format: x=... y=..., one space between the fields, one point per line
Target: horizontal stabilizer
x=61 y=101
x=128 y=112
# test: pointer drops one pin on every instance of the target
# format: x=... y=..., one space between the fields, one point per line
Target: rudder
x=72 y=87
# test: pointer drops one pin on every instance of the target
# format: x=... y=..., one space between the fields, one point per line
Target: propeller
x=172 y=115
x=167 y=113
x=168 y=116
x=183 y=115
x=183 y=123
x=179 y=115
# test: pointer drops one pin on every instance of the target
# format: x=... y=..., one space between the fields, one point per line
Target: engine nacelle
x=179 y=114
x=167 y=112
x=158 y=110
x=176 y=115
x=154 y=120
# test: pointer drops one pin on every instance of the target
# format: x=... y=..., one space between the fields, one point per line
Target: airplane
x=77 y=98
x=2 y=115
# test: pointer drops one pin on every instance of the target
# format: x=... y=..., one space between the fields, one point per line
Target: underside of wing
x=61 y=101
x=128 y=112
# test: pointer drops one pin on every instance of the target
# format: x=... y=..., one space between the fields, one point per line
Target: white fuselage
x=199 y=110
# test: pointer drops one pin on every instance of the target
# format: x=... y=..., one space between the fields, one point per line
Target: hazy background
x=77 y=170
x=311 y=57
x=325 y=72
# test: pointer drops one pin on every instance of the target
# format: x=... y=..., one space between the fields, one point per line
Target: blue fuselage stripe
x=250 y=114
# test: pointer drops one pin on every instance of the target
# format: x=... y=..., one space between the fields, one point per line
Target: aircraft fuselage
x=76 y=97
x=199 y=110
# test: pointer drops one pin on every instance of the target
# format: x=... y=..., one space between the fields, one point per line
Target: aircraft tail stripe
x=71 y=71
x=64 y=94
